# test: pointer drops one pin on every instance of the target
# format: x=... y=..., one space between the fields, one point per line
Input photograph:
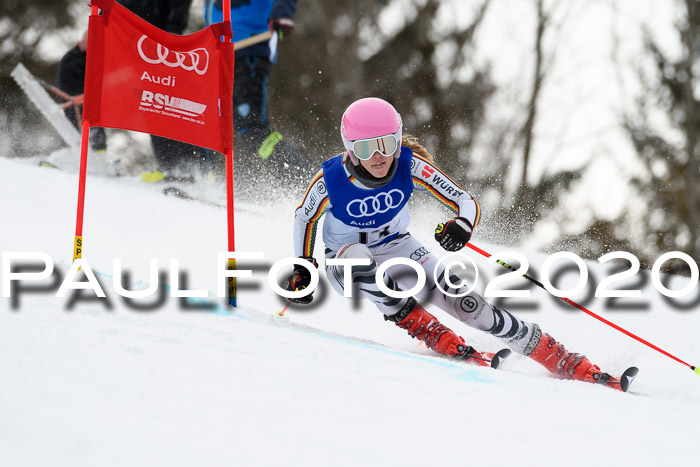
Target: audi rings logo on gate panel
x=196 y=60
x=378 y=204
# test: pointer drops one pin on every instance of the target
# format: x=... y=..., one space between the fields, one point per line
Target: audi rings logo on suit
x=378 y=204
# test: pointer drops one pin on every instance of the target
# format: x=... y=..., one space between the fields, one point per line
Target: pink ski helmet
x=371 y=125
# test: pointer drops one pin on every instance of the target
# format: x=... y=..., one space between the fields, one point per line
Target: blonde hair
x=411 y=142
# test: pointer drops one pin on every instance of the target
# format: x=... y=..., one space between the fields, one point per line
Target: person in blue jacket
x=252 y=68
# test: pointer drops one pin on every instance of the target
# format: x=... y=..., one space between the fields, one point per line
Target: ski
x=499 y=357
x=157 y=177
x=177 y=192
x=182 y=194
x=47 y=165
x=622 y=383
x=180 y=179
x=493 y=360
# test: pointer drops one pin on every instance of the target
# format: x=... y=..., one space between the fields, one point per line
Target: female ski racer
x=363 y=194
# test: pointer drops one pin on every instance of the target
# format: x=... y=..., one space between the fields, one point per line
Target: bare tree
x=671 y=156
x=525 y=205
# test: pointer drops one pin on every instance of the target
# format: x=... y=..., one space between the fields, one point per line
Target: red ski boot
x=422 y=325
x=554 y=357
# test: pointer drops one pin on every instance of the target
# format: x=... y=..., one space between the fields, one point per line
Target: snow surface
x=86 y=383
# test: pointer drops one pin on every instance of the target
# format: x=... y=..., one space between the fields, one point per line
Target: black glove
x=283 y=26
x=300 y=279
x=453 y=234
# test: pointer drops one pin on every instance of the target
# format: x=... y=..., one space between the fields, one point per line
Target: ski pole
x=75 y=101
x=252 y=40
x=283 y=310
x=696 y=370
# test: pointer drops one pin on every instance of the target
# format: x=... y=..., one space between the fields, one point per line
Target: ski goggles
x=364 y=149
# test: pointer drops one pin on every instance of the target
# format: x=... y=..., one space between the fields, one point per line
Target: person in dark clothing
x=252 y=68
x=71 y=80
x=168 y=15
